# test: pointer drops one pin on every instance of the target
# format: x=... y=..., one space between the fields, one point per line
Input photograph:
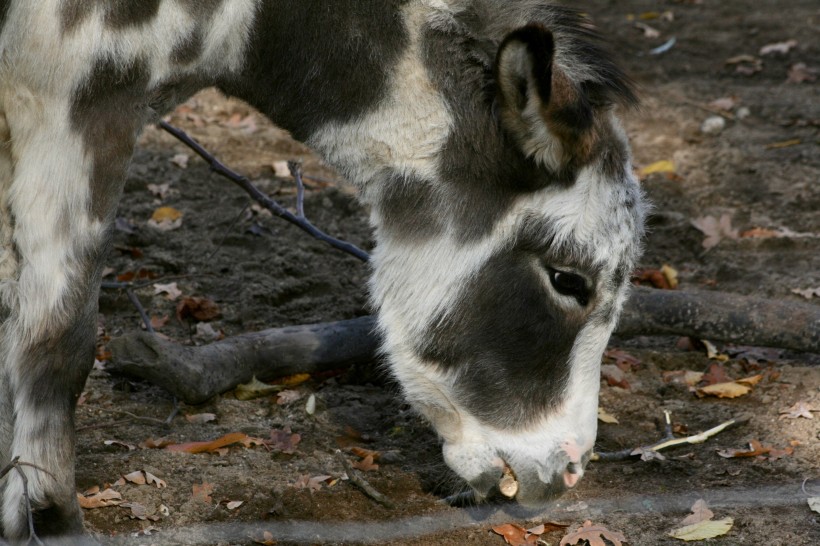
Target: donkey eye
x=569 y=284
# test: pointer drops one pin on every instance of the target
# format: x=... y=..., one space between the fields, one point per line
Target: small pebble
x=712 y=125
x=742 y=113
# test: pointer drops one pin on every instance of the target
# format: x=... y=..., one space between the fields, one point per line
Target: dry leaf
x=703 y=530
x=160 y=443
x=699 y=513
x=200 y=418
x=129 y=447
x=516 y=535
x=799 y=73
x=287 y=396
x=136 y=477
x=99 y=499
x=254 y=389
x=366 y=464
x=799 y=409
x=159 y=190
x=606 y=417
x=715 y=230
x=614 y=376
x=159 y=322
x=280 y=169
x=203 y=492
x=211 y=446
x=756 y=449
x=593 y=534
x=233 y=505
x=623 y=360
x=201 y=309
x=671 y=275
x=814 y=504
x=729 y=389
x=171 y=290
x=807 y=293
x=181 y=160
x=284 y=440
x=663 y=166
x=648 y=32
x=313 y=484
x=654 y=277
x=293 y=380
x=778 y=47
x=752 y=380
x=166 y=219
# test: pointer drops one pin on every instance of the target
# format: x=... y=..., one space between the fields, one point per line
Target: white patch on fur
x=414 y=281
x=405 y=132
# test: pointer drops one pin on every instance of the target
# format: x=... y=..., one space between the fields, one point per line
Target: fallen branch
x=719 y=316
x=358 y=480
x=668 y=440
x=195 y=374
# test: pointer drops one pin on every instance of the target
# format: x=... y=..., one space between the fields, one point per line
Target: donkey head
x=501 y=270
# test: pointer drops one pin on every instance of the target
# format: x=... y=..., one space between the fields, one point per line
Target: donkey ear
x=539 y=104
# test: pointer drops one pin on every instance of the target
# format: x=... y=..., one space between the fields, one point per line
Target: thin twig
x=142 y=418
x=141 y=310
x=666 y=442
x=260 y=197
x=358 y=480
x=296 y=172
x=32 y=535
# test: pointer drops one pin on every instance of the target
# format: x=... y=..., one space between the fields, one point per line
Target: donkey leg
x=60 y=209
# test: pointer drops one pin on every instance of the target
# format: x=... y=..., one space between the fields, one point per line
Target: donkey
x=482 y=134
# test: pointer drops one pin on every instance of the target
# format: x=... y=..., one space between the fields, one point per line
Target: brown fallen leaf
x=623 y=360
x=208 y=446
x=284 y=440
x=614 y=376
x=366 y=464
x=201 y=309
x=724 y=103
x=362 y=453
x=311 y=483
x=202 y=492
x=756 y=449
x=516 y=535
x=729 y=389
x=799 y=409
x=99 y=499
x=716 y=373
x=288 y=396
x=699 y=513
x=166 y=219
x=800 y=72
x=651 y=277
x=594 y=535
x=159 y=443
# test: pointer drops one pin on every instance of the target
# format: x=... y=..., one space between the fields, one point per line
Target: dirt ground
x=762 y=170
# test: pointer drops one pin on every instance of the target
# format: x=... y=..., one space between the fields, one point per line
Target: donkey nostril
x=572 y=474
